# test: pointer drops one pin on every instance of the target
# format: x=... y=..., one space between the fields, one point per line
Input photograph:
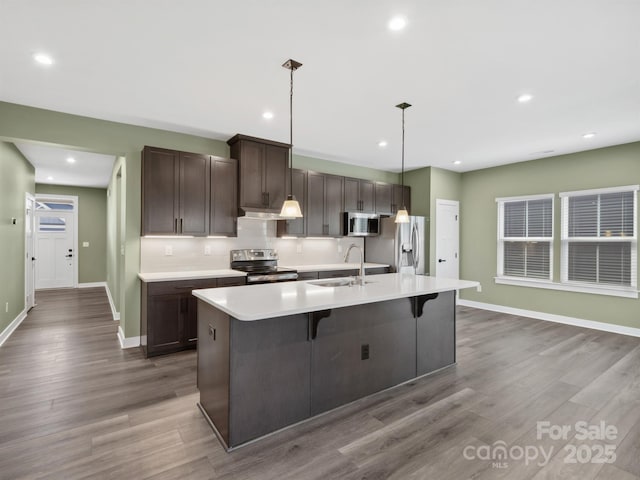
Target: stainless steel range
x=261 y=266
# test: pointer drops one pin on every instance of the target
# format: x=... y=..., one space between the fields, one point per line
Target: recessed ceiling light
x=525 y=97
x=382 y=143
x=71 y=160
x=457 y=162
x=267 y=115
x=397 y=23
x=589 y=135
x=43 y=59
x=49 y=178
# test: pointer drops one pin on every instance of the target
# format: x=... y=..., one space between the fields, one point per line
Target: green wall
x=343 y=169
x=606 y=167
x=19 y=122
x=92 y=228
x=17 y=177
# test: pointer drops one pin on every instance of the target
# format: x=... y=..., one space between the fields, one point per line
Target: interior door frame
x=67 y=199
x=439 y=203
x=29 y=265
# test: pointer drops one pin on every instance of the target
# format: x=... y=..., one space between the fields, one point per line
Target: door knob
x=440 y=260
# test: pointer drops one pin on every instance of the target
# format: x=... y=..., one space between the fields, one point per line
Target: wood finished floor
x=74 y=405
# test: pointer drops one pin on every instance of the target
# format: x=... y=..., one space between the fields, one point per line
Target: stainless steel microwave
x=358 y=224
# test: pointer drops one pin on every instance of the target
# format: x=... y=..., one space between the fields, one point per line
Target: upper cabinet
x=175 y=192
x=397 y=202
x=297 y=226
x=359 y=195
x=263 y=167
x=324 y=205
x=224 y=197
x=384 y=195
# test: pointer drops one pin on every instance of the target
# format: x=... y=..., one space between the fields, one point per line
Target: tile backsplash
x=173 y=254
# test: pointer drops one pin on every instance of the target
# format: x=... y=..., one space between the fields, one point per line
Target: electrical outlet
x=85 y=244
x=299 y=248
x=6 y=307
x=364 y=352
x=479 y=288
x=339 y=248
x=207 y=249
x=168 y=250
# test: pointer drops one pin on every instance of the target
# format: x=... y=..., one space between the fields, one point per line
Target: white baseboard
x=114 y=312
x=6 y=333
x=127 y=342
x=550 y=317
x=92 y=284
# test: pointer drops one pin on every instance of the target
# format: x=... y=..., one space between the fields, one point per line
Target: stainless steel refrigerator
x=400 y=245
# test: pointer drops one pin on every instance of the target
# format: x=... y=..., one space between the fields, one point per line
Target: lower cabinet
x=340 y=273
x=169 y=314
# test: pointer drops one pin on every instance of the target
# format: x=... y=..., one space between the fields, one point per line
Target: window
x=600 y=237
x=525 y=237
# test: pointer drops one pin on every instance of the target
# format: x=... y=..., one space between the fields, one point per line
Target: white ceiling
x=52 y=167
x=211 y=67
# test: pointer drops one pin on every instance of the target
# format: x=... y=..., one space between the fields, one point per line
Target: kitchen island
x=272 y=355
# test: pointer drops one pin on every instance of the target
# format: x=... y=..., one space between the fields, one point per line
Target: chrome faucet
x=359 y=278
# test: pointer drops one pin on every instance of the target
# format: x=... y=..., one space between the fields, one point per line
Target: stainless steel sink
x=340 y=282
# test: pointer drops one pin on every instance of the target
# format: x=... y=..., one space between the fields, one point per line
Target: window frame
x=565 y=240
x=501 y=239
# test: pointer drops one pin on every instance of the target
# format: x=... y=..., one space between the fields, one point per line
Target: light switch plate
x=85 y=244
x=299 y=248
x=207 y=249
x=168 y=250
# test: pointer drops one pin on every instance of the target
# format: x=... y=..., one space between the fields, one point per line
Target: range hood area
x=260 y=214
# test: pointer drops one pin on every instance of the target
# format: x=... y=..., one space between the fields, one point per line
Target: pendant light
x=402 y=215
x=291 y=207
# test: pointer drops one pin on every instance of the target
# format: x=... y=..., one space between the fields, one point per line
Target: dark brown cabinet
x=384 y=195
x=397 y=202
x=224 y=197
x=169 y=319
x=296 y=227
x=263 y=168
x=359 y=195
x=324 y=204
x=175 y=192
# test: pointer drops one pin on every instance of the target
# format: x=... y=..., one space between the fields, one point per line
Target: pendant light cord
x=402 y=175
x=291 y=137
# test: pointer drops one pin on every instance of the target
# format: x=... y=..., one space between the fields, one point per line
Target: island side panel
x=436 y=330
x=213 y=366
x=270 y=375
x=340 y=371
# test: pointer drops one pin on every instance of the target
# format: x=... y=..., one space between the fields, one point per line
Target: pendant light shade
x=402 y=215
x=291 y=207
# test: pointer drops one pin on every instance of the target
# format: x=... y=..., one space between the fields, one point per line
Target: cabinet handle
x=212 y=332
x=267 y=199
x=192 y=287
x=180 y=225
x=175 y=225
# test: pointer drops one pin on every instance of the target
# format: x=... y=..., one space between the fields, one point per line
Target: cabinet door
x=337 y=273
x=160 y=191
x=351 y=195
x=436 y=317
x=315 y=204
x=194 y=194
x=190 y=319
x=275 y=175
x=224 y=198
x=164 y=323
x=252 y=189
x=398 y=200
x=297 y=226
x=384 y=194
x=333 y=193
x=367 y=196
x=307 y=276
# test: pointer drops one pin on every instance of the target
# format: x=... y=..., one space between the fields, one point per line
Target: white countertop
x=189 y=275
x=257 y=302
x=334 y=266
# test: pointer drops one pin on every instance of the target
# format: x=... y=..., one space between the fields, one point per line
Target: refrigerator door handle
x=415 y=241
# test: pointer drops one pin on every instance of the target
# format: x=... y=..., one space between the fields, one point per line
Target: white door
x=30 y=256
x=447 y=238
x=55 y=264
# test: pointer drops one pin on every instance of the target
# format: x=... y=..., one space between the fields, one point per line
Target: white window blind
x=525 y=237
x=599 y=237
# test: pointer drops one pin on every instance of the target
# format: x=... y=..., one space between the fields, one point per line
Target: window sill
x=568 y=287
